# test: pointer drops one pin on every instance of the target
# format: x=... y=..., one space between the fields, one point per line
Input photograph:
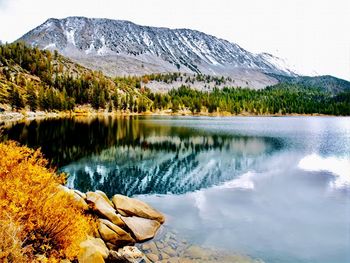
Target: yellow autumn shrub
x=50 y=220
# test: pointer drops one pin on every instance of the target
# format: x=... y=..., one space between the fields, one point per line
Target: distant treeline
x=277 y=99
x=41 y=80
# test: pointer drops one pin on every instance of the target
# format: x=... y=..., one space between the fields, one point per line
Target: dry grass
x=49 y=222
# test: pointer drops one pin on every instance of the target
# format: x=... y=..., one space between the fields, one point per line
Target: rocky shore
x=127 y=232
x=12 y=116
x=121 y=223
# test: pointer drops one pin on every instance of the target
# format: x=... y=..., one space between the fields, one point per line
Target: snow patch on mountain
x=278 y=62
x=70 y=36
x=50 y=46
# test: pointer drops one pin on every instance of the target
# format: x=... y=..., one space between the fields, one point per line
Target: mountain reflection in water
x=131 y=156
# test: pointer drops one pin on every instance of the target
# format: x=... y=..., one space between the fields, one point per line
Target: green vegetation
x=278 y=99
x=170 y=78
x=326 y=83
x=40 y=80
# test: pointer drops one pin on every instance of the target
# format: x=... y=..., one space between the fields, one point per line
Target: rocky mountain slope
x=122 y=47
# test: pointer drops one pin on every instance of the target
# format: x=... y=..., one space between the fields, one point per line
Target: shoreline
x=15 y=116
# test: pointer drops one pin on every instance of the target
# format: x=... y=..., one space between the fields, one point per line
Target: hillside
x=47 y=81
x=326 y=83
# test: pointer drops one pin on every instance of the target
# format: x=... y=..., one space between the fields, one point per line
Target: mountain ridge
x=121 y=47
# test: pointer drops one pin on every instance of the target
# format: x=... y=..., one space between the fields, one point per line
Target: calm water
x=272 y=188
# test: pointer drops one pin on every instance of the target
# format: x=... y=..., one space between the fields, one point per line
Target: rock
x=170 y=251
x=153 y=257
x=146 y=246
x=81 y=202
x=174 y=260
x=142 y=228
x=115 y=257
x=79 y=199
x=82 y=195
x=160 y=245
x=133 y=254
x=151 y=247
x=111 y=246
x=105 y=197
x=197 y=252
x=134 y=207
x=114 y=234
x=164 y=255
x=103 y=208
x=93 y=250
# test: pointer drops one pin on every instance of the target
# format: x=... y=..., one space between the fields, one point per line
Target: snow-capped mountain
x=122 y=47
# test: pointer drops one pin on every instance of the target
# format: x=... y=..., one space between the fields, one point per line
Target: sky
x=312 y=35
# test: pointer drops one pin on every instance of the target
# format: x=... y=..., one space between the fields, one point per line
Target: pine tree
x=32 y=99
x=115 y=99
x=16 y=99
x=110 y=106
x=102 y=100
x=131 y=103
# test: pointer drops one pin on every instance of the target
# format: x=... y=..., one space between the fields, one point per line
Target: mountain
x=121 y=48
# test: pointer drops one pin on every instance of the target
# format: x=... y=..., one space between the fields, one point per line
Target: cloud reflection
x=339 y=167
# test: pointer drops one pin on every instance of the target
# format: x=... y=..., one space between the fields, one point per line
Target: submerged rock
x=153 y=257
x=142 y=228
x=127 y=255
x=133 y=254
x=133 y=207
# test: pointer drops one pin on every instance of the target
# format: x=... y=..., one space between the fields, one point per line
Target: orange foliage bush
x=51 y=222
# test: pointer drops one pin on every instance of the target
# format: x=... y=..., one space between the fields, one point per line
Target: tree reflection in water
x=131 y=156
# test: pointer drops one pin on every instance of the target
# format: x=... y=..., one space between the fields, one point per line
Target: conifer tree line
x=41 y=80
x=277 y=99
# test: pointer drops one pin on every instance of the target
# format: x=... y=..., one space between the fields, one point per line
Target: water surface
x=272 y=188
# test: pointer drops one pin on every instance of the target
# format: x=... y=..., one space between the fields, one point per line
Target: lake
x=273 y=188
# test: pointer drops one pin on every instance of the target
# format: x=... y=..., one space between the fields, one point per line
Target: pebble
x=170 y=251
x=164 y=255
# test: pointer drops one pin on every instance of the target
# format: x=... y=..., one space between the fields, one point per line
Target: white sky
x=313 y=35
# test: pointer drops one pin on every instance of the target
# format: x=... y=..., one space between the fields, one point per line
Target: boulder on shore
x=132 y=207
x=113 y=234
x=142 y=228
x=101 y=206
x=93 y=250
x=120 y=224
x=105 y=197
